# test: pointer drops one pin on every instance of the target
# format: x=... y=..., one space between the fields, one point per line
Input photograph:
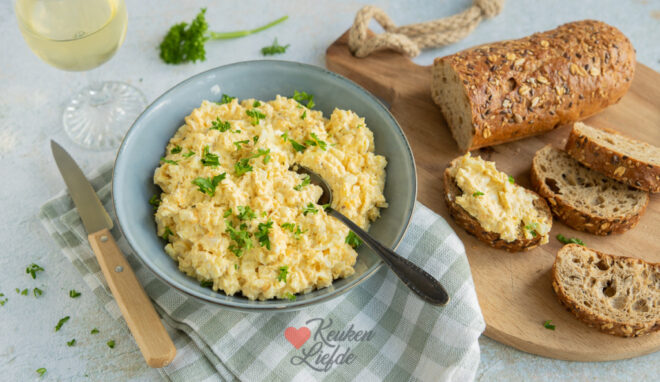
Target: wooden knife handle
x=140 y=315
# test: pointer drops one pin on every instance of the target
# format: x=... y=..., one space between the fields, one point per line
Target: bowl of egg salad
x=207 y=194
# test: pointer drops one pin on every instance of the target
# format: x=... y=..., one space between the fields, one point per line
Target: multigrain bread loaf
x=627 y=160
x=508 y=90
x=585 y=199
x=617 y=295
x=523 y=239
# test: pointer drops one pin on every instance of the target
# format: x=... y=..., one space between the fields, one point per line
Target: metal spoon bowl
x=418 y=280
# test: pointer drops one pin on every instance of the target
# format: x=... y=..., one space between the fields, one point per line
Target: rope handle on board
x=411 y=39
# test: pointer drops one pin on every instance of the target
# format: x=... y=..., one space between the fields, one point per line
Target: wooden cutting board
x=514 y=289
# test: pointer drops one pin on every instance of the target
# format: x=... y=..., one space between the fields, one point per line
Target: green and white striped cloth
x=409 y=339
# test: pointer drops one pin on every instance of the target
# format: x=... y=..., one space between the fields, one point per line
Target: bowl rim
x=285 y=305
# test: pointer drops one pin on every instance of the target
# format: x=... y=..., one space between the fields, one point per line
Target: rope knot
x=490 y=8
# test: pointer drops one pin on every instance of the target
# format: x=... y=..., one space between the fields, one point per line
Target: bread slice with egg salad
x=490 y=205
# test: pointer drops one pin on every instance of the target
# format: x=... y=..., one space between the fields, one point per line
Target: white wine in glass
x=79 y=35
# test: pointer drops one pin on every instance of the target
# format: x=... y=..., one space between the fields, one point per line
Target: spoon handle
x=418 y=280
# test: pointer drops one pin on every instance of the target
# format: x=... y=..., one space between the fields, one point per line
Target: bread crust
x=576 y=219
x=524 y=87
x=472 y=225
x=641 y=175
x=592 y=318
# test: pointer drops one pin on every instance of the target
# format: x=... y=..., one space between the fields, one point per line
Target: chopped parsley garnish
x=169 y=161
x=208 y=185
x=325 y=206
x=227 y=213
x=177 y=149
x=60 y=323
x=274 y=49
x=288 y=226
x=296 y=146
x=243 y=166
x=225 y=99
x=310 y=209
x=71 y=343
x=111 y=344
x=185 y=42
x=478 y=193
x=532 y=227
x=255 y=139
x=245 y=213
x=291 y=297
x=298 y=233
x=306 y=181
x=206 y=283
x=304 y=115
x=315 y=141
x=304 y=97
x=256 y=103
x=262 y=234
x=548 y=325
x=189 y=154
x=41 y=371
x=573 y=240
x=4 y=300
x=511 y=180
x=208 y=158
x=94 y=331
x=236 y=266
x=74 y=293
x=220 y=126
x=241 y=238
x=37 y=292
x=32 y=270
x=284 y=270
x=25 y=291
x=239 y=143
x=155 y=201
x=353 y=240
x=256 y=116
x=166 y=235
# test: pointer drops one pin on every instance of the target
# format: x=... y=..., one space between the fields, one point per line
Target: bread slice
x=627 y=160
x=585 y=199
x=472 y=225
x=618 y=295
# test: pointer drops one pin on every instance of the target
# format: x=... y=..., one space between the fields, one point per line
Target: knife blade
x=89 y=206
x=148 y=331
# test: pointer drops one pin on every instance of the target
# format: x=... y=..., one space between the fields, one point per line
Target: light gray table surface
x=31 y=101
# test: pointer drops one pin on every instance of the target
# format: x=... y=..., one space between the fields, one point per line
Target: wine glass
x=78 y=35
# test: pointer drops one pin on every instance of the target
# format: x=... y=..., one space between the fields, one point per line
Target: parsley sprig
x=548 y=325
x=177 y=149
x=61 y=322
x=532 y=227
x=219 y=125
x=185 y=42
x=262 y=233
x=241 y=237
x=573 y=240
x=155 y=201
x=283 y=272
x=32 y=270
x=315 y=141
x=310 y=208
x=225 y=99
x=256 y=116
x=209 y=159
x=208 y=185
x=296 y=146
x=243 y=166
x=245 y=213
x=306 y=181
x=74 y=293
x=301 y=97
x=477 y=193
x=353 y=240
x=274 y=49
x=239 y=144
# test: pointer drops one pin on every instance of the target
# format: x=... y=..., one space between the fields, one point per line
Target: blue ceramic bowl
x=145 y=143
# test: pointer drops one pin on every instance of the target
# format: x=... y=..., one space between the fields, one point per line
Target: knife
x=143 y=321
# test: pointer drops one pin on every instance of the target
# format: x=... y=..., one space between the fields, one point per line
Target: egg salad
x=500 y=205
x=235 y=214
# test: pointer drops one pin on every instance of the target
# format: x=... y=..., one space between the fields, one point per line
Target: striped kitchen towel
x=377 y=331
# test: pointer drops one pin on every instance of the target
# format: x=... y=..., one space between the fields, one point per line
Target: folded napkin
x=377 y=331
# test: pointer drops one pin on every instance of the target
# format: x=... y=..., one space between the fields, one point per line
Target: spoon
x=418 y=280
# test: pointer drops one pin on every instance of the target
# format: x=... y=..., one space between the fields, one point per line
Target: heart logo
x=297 y=337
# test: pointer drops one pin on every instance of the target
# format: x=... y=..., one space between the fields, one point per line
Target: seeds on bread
x=585 y=199
x=505 y=216
x=508 y=90
x=627 y=160
x=617 y=295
